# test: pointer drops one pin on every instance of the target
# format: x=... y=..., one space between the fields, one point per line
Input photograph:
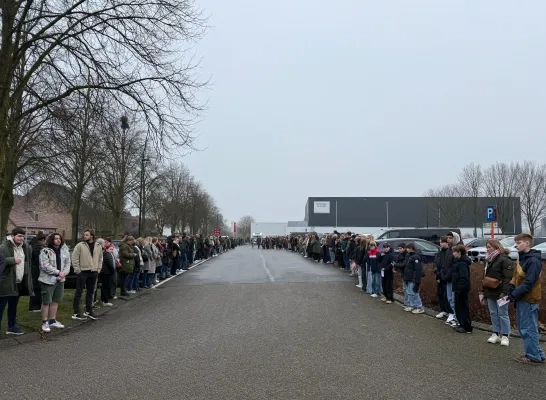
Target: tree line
x=503 y=183
x=69 y=71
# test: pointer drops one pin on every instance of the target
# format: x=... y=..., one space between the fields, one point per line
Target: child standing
x=386 y=262
x=412 y=276
x=374 y=269
x=461 y=288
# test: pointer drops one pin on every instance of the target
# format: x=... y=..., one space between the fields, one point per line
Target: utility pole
x=142 y=194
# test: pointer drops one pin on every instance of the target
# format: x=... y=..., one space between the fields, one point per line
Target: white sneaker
x=505 y=341
x=441 y=315
x=115 y=298
x=494 y=338
x=374 y=295
x=57 y=324
x=107 y=304
x=418 y=311
x=450 y=319
x=45 y=327
x=408 y=309
x=359 y=286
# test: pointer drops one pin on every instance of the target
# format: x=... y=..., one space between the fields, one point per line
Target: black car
x=428 y=250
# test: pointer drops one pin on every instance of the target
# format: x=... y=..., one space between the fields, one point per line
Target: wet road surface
x=265 y=324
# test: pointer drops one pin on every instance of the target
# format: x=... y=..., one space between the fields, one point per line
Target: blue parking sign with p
x=491 y=213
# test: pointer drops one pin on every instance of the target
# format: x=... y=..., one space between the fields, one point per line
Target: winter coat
x=108 y=264
x=386 y=260
x=373 y=265
x=461 y=274
x=400 y=262
x=8 y=280
x=439 y=261
x=446 y=272
x=149 y=265
x=501 y=269
x=82 y=260
x=127 y=258
x=315 y=246
x=49 y=267
x=525 y=285
x=413 y=270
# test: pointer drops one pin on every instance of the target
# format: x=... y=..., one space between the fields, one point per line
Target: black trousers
x=106 y=289
x=113 y=283
x=443 y=302
x=387 y=282
x=462 y=311
x=86 y=280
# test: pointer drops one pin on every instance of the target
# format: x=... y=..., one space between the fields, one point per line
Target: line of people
x=503 y=282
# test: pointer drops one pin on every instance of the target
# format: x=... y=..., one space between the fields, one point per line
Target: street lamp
x=142 y=200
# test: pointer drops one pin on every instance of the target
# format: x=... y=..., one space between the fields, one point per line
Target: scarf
x=491 y=256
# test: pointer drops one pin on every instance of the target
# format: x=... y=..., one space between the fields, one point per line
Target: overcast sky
x=364 y=98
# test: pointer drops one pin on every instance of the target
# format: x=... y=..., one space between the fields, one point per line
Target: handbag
x=490 y=283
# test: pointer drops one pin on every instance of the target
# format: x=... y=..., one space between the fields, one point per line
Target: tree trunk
x=8 y=170
x=116 y=215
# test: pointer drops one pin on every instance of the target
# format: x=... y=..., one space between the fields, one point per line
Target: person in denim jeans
x=498 y=273
x=374 y=270
x=525 y=292
x=413 y=272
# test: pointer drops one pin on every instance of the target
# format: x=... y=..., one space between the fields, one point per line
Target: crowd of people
x=39 y=270
x=504 y=281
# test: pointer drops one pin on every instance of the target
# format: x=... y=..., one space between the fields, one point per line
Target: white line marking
x=174 y=276
x=265 y=267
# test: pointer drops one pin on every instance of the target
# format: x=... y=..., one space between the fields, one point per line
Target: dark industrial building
x=418 y=212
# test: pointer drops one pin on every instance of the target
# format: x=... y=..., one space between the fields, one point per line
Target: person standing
x=108 y=269
x=441 y=288
x=16 y=277
x=525 y=293
x=127 y=260
x=386 y=262
x=36 y=244
x=54 y=267
x=413 y=272
x=498 y=273
x=461 y=288
x=87 y=262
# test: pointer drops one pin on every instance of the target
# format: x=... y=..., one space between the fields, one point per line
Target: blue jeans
x=414 y=299
x=184 y=260
x=368 y=280
x=405 y=288
x=450 y=295
x=346 y=260
x=500 y=321
x=133 y=281
x=148 y=279
x=11 y=302
x=376 y=283
x=527 y=321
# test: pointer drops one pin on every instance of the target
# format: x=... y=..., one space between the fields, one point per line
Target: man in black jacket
x=453 y=239
x=400 y=265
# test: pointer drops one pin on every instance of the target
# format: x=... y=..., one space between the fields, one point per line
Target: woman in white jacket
x=54 y=267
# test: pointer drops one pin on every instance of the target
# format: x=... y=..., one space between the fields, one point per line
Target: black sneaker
x=90 y=315
x=79 y=317
x=15 y=330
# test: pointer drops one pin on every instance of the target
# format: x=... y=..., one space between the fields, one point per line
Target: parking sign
x=491 y=213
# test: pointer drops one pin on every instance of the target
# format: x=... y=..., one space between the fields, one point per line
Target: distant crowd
x=374 y=265
x=40 y=269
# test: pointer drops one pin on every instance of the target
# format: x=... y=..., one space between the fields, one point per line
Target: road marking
x=174 y=276
x=265 y=267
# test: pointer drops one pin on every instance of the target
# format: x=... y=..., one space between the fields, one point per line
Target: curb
x=35 y=335
x=477 y=325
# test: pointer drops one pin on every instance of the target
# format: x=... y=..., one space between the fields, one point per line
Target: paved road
x=265 y=325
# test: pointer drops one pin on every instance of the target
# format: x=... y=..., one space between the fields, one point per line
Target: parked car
x=471 y=243
x=542 y=248
x=479 y=253
x=428 y=249
x=429 y=234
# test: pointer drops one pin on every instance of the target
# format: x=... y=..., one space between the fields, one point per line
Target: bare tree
x=244 y=226
x=78 y=136
x=533 y=193
x=449 y=203
x=119 y=175
x=132 y=48
x=502 y=182
x=471 y=182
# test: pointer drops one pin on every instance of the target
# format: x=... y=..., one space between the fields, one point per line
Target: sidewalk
x=71 y=325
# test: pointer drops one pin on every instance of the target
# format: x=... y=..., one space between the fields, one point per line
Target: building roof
x=21 y=218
